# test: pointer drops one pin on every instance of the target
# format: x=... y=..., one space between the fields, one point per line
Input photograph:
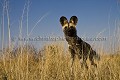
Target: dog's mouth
x=71 y=31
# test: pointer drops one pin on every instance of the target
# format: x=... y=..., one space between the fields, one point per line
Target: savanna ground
x=52 y=62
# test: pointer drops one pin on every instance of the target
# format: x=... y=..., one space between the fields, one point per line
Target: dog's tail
x=96 y=56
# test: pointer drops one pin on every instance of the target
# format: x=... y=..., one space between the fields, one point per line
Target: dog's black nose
x=71 y=27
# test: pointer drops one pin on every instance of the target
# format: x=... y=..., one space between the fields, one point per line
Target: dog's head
x=69 y=28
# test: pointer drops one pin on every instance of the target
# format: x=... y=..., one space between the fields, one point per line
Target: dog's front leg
x=84 y=61
x=72 y=52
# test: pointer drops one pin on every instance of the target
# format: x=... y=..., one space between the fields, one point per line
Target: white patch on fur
x=71 y=24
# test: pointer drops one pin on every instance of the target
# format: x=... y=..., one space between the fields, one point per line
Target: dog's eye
x=65 y=27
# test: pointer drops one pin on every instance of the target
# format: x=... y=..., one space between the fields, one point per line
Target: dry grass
x=53 y=63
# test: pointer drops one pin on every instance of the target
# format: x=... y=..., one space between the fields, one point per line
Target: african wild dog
x=76 y=44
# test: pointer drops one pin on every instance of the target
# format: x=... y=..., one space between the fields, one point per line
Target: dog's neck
x=73 y=40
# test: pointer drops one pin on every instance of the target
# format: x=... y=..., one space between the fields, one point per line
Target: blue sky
x=94 y=16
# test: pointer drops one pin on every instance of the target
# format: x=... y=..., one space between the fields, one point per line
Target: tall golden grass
x=53 y=63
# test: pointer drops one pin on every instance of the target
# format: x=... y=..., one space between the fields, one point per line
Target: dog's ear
x=73 y=20
x=63 y=20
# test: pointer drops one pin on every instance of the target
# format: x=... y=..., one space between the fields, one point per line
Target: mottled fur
x=76 y=45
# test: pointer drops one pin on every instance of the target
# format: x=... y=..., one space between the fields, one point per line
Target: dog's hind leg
x=92 y=60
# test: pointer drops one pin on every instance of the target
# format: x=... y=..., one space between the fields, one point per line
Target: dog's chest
x=71 y=41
